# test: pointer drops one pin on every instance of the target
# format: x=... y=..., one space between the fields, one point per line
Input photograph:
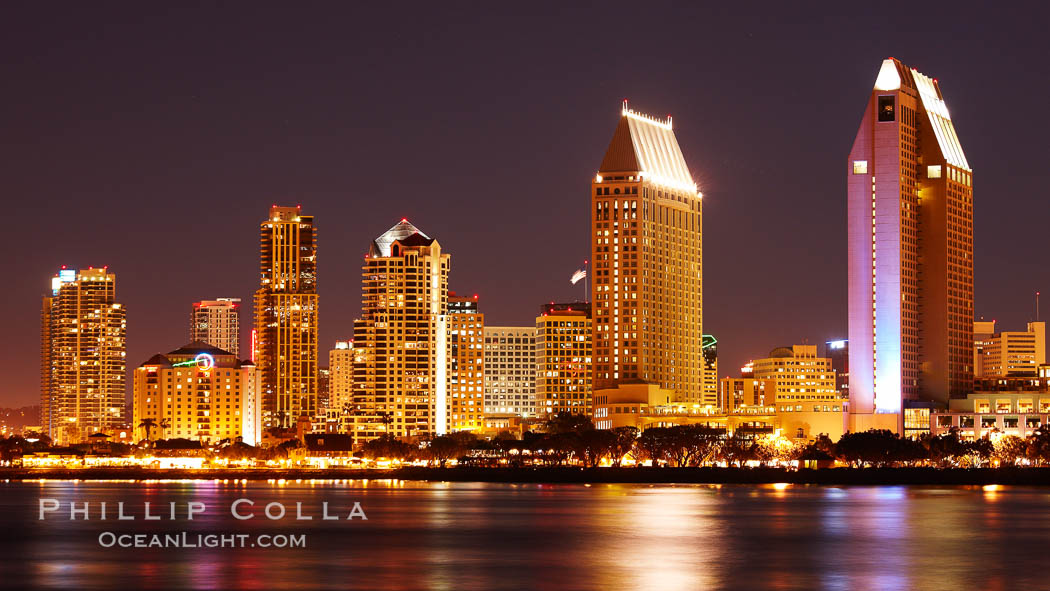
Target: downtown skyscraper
x=286 y=312
x=910 y=233
x=401 y=350
x=83 y=356
x=648 y=262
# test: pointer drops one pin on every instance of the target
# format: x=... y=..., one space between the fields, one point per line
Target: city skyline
x=803 y=308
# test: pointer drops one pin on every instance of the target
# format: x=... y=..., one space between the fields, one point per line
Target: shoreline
x=567 y=475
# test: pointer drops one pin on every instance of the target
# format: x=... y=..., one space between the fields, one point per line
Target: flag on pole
x=579 y=274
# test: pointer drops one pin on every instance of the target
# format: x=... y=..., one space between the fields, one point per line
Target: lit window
x=933 y=172
x=860 y=167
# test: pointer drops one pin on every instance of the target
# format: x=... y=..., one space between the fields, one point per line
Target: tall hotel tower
x=646 y=248
x=910 y=253
x=83 y=348
x=401 y=344
x=286 y=316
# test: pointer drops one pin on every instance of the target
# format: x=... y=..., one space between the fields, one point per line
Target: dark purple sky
x=153 y=139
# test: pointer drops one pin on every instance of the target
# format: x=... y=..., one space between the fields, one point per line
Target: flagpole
x=587 y=279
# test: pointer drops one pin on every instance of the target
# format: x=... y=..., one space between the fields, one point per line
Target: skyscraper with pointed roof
x=401 y=359
x=910 y=220
x=647 y=262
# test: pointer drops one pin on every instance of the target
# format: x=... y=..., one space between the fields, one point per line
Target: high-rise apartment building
x=647 y=257
x=197 y=392
x=1012 y=354
x=564 y=357
x=286 y=316
x=83 y=347
x=341 y=376
x=401 y=340
x=910 y=227
x=218 y=323
x=466 y=364
x=510 y=371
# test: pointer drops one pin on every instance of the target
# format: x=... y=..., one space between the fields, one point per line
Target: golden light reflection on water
x=486 y=536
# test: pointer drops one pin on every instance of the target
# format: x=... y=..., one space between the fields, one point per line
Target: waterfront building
x=400 y=384
x=510 y=372
x=83 y=346
x=286 y=316
x=465 y=405
x=910 y=252
x=564 y=358
x=647 y=262
x=197 y=392
x=218 y=323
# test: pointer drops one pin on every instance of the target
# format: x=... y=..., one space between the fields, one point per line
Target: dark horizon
x=153 y=140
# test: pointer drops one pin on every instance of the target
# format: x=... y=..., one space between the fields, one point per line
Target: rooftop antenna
x=1037 y=306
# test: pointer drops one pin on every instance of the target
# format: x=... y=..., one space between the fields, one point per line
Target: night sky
x=153 y=139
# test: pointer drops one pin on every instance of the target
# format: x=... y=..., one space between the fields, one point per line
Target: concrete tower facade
x=910 y=227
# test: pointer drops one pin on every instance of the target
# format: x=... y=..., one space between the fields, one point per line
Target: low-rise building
x=985 y=413
x=197 y=392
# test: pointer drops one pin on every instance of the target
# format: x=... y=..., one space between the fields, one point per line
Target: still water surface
x=497 y=536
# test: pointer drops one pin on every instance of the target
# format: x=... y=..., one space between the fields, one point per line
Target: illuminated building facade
x=744 y=392
x=564 y=359
x=401 y=340
x=83 y=347
x=510 y=371
x=466 y=358
x=198 y=392
x=799 y=374
x=341 y=376
x=838 y=352
x=910 y=228
x=710 y=392
x=647 y=257
x=218 y=323
x=1013 y=354
x=286 y=315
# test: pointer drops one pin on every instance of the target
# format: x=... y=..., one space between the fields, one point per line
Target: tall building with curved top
x=910 y=233
x=286 y=316
x=401 y=346
x=647 y=258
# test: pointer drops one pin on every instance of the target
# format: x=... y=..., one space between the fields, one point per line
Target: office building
x=799 y=374
x=1009 y=354
x=910 y=252
x=563 y=358
x=83 y=347
x=710 y=392
x=647 y=262
x=510 y=371
x=218 y=323
x=838 y=352
x=197 y=392
x=286 y=316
